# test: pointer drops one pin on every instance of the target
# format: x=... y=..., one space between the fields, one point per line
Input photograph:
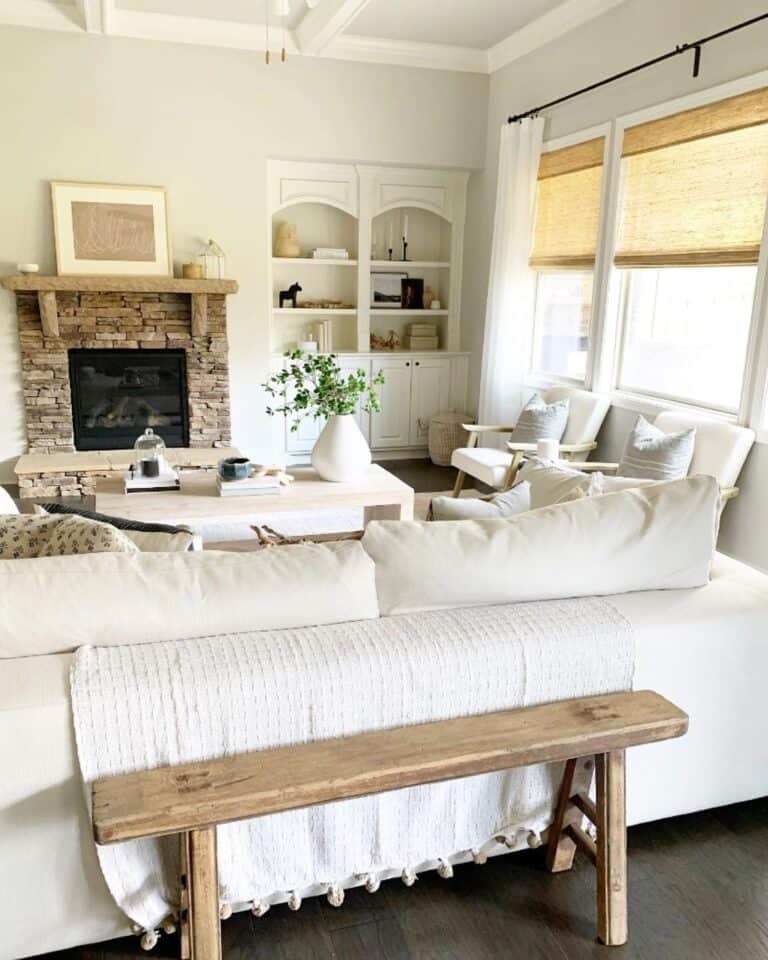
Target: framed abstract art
x=108 y=228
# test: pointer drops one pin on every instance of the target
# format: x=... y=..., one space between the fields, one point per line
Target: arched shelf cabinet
x=365 y=210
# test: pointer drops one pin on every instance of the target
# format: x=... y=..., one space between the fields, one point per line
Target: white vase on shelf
x=341 y=453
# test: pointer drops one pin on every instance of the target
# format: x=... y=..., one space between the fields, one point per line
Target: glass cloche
x=150 y=453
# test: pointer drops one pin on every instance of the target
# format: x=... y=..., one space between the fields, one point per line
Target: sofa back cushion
x=57 y=604
x=656 y=537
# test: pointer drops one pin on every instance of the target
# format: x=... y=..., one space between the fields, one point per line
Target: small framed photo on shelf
x=412 y=293
x=386 y=289
x=107 y=228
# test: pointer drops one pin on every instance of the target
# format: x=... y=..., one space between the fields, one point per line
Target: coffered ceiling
x=479 y=36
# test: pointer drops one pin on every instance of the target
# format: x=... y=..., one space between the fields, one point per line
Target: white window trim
x=603 y=356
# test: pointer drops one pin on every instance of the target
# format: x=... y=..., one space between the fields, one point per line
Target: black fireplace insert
x=117 y=394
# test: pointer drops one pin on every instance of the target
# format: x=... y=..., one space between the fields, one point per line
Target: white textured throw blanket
x=137 y=707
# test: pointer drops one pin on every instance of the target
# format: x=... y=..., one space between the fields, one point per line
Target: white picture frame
x=386 y=290
x=104 y=229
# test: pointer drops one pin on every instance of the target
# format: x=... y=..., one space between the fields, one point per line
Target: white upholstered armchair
x=497 y=468
x=720 y=448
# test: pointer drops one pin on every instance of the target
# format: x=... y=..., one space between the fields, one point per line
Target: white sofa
x=705 y=648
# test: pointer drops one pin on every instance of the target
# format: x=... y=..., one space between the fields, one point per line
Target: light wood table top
x=380 y=493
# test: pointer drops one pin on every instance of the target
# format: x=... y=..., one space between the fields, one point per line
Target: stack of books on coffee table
x=249 y=487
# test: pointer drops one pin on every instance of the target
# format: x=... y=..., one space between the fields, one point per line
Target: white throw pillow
x=57 y=604
x=540 y=421
x=655 y=455
x=7 y=503
x=657 y=537
x=506 y=504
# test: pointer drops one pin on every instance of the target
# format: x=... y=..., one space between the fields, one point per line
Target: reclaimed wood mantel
x=47 y=287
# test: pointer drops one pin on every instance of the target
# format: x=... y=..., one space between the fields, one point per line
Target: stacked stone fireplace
x=130 y=319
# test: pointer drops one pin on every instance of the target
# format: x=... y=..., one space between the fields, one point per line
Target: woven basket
x=445 y=435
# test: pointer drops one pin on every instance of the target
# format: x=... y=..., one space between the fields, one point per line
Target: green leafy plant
x=313 y=384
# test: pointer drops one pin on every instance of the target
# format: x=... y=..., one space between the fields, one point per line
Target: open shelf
x=418 y=264
x=328 y=311
x=316 y=261
x=399 y=312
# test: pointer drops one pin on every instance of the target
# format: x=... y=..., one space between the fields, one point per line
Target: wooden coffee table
x=381 y=495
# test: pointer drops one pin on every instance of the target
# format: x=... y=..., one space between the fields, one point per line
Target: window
x=685 y=333
x=692 y=210
x=563 y=256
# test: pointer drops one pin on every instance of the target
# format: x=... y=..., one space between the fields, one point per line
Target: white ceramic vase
x=341 y=453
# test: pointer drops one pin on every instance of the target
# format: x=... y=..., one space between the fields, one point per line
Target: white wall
x=200 y=121
x=630 y=33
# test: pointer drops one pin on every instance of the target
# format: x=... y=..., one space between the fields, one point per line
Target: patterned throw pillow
x=541 y=421
x=26 y=536
x=656 y=455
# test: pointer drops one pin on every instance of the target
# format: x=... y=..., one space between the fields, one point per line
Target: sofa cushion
x=557 y=483
x=539 y=421
x=486 y=464
x=114 y=599
x=25 y=536
x=506 y=504
x=656 y=455
x=654 y=537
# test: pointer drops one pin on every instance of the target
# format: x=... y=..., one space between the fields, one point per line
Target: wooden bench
x=590 y=733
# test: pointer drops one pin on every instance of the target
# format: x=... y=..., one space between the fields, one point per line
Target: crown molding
x=199 y=31
x=320 y=32
x=538 y=33
x=432 y=56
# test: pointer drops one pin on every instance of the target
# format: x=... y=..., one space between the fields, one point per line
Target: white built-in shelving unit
x=359 y=208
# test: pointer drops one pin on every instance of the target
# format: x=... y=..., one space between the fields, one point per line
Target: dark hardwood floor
x=698 y=891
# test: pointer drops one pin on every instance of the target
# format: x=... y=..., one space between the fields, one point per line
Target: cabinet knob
x=416 y=363
x=407 y=363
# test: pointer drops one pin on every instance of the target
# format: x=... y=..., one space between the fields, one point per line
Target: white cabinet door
x=429 y=395
x=391 y=426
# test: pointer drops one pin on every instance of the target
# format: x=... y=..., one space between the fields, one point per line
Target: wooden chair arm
x=562 y=447
x=728 y=493
x=485 y=428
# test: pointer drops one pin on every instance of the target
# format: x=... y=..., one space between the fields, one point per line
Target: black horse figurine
x=290 y=294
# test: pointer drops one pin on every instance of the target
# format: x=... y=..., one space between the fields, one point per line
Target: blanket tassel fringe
x=335 y=892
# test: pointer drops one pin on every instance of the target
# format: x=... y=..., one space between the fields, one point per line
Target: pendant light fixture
x=280 y=10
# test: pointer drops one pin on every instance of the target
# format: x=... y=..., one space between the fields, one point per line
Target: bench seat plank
x=190 y=796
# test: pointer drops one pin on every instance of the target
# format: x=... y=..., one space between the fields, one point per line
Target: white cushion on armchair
x=720 y=448
x=486 y=464
x=7 y=503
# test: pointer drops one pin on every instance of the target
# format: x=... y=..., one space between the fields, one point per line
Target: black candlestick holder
x=405 y=249
x=390 y=253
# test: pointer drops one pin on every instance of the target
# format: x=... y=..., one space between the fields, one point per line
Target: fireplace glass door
x=117 y=394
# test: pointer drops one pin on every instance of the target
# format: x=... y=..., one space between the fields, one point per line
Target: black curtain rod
x=696 y=46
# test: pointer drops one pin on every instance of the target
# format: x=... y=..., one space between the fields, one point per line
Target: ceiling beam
x=407 y=53
x=323 y=23
x=546 y=28
x=40 y=14
x=96 y=15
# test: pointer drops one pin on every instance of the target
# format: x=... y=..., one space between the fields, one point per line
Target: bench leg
x=561 y=847
x=203 y=895
x=611 y=848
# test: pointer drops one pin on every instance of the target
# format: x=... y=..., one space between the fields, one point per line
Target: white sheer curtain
x=509 y=309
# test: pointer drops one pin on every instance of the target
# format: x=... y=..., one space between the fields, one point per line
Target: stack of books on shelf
x=330 y=253
x=323 y=333
x=422 y=336
x=249 y=487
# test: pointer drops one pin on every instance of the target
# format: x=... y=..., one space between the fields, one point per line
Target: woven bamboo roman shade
x=568 y=207
x=695 y=186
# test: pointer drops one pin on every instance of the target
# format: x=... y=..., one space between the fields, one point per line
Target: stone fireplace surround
x=130 y=318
